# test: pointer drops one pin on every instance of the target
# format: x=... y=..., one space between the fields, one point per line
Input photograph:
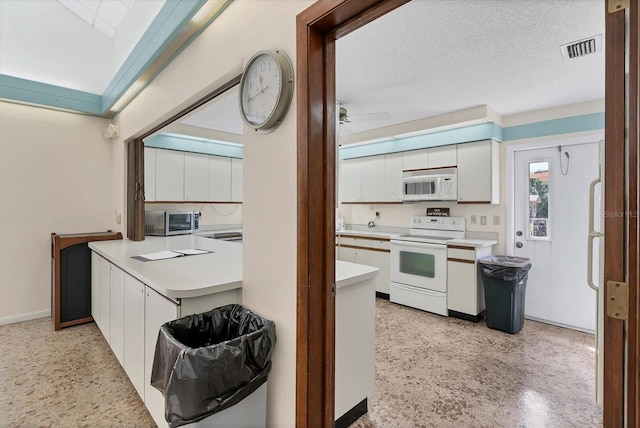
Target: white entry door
x=551 y=216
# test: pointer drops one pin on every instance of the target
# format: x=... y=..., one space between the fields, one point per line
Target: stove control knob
x=453 y=222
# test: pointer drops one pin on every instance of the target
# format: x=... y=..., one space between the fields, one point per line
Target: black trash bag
x=505 y=273
x=208 y=362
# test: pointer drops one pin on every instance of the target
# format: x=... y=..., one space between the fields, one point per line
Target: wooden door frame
x=633 y=371
x=317 y=28
x=621 y=228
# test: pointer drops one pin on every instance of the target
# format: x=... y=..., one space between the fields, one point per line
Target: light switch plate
x=474 y=219
x=496 y=220
x=483 y=219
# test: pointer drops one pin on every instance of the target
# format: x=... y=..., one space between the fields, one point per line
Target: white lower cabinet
x=465 y=293
x=116 y=317
x=129 y=314
x=158 y=310
x=367 y=251
x=95 y=287
x=134 y=332
x=104 y=268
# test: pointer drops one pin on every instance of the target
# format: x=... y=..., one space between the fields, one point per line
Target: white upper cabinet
x=372 y=179
x=169 y=175
x=393 y=177
x=415 y=159
x=479 y=172
x=236 y=179
x=219 y=179
x=175 y=176
x=149 y=174
x=196 y=177
x=443 y=156
x=435 y=157
x=350 y=181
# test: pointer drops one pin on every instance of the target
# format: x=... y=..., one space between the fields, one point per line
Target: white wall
x=55 y=176
x=270 y=197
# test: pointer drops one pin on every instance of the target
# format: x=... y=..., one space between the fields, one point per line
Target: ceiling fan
x=345 y=117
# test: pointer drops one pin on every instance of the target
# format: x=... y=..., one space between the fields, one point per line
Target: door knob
x=519 y=233
x=519 y=244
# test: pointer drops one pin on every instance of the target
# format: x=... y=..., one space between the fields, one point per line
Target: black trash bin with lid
x=208 y=362
x=505 y=280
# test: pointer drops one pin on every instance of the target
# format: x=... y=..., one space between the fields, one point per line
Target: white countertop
x=350 y=273
x=198 y=275
x=369 y=233
x=476 y=243
x=180 y=277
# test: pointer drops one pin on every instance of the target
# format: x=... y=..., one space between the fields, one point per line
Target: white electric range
x=418 y=270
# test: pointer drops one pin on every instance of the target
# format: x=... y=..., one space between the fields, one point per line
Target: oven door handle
x=420 y=290
x=422 y=245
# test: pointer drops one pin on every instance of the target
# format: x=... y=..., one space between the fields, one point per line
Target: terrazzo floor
x=431 y=371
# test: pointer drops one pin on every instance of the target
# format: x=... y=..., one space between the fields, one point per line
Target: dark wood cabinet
x=71 y=277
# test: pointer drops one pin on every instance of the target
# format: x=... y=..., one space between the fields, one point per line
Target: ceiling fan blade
x=366 y=117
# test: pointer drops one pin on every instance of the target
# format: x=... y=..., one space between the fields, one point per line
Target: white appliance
x=430 y=185
x=418 y=269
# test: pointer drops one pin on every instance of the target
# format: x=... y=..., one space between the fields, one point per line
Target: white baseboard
x=557 y=324
x=25 y=317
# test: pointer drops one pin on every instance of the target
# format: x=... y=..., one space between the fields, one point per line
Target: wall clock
x=266 y=89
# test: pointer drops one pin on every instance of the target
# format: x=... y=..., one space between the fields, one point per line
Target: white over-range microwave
x=430 y=185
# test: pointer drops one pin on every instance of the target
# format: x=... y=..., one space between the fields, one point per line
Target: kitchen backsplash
x=399 y=215
x=212 y=214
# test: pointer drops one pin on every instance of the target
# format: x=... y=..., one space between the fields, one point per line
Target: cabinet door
x=461 y=287
x=116 y=330
x=105 y=298
x=236 y=179
x=350 y=180
x=478 y=172
x=95 y=287
x=134 y=332
x=149 y=174
x=346 y=254
x=158 y=310
x=393 y=177
x=372 y=179
x=196 y=177
x=415 y=159
x=377 y=259
x=443 y=156
x=219 y=179
x=169 y=175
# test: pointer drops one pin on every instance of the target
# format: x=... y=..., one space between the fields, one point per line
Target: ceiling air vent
x=582 y=47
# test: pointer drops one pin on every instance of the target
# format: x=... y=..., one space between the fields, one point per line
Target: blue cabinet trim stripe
x=195 y=145
x=485 y=131
x=565 y=125
x=171 y=19
x=29 y=91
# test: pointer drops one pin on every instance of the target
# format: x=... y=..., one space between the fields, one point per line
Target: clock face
x=260 y=92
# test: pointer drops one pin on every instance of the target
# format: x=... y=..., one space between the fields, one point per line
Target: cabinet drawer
x=366 y=242
x=459 y=253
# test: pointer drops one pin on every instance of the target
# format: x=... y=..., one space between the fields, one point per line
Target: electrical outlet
x=496 y=220
x=483 y=220
x=474 y=219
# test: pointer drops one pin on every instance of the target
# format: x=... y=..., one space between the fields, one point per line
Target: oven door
x=419 y=265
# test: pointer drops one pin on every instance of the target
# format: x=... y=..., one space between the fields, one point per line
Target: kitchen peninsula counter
x=179 y=277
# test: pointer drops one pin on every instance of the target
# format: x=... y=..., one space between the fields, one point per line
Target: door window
x=418 y=264
x=538 y=200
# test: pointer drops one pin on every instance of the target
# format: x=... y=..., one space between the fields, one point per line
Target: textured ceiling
x=431 y=57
